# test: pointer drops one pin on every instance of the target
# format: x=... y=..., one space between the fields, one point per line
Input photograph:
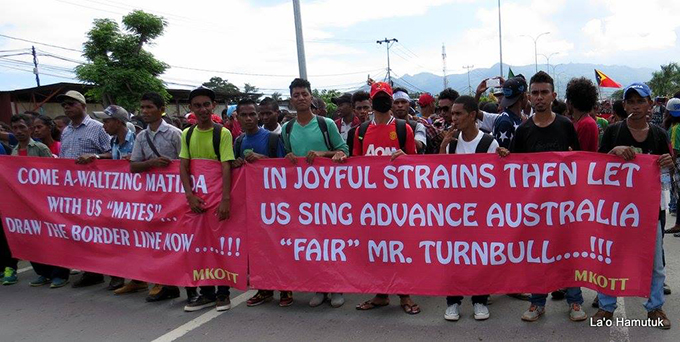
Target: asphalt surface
x=94 y=314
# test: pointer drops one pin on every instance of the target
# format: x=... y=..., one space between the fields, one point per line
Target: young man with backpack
x=312 y=136
x=625 y=139
x=425 y=133
x=254 y=144
x=385 y=135
x=465 y=138
x=207 y=140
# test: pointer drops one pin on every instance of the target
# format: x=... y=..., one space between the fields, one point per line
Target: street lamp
x=535 y=46
x=547 y=59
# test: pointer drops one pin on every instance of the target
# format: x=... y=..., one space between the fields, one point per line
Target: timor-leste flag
x=604 y=81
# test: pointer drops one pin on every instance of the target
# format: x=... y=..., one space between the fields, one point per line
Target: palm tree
x=666 y=81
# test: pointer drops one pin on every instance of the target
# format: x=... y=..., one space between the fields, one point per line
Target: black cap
x=344 y=98
x=512 y=90
x=202 y=91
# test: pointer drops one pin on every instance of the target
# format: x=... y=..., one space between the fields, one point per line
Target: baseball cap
x=72 y=94
x=512 y=90
x=114 y=112
x=673 y=107
x=202 y=91
x=425 y=100
x=344 y=98
x=379 y=87
x=641 y=88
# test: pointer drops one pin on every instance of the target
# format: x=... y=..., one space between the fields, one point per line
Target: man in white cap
x=83 y=135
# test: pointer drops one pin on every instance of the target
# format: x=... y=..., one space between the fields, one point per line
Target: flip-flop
x=411 y=309
x=369 y=305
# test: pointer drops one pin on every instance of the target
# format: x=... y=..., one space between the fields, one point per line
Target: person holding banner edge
x=206 y=140
x=625 y=139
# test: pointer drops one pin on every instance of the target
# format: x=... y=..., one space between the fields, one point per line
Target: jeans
x=656 y=296
x=574 y=296
x=450 y=300
x=209 y=291
x=51 y=272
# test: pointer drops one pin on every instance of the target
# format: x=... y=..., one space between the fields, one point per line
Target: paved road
x=94 y=314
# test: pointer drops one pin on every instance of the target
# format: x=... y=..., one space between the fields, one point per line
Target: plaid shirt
x=88 y=137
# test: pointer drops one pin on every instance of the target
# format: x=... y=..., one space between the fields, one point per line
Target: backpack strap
x=188 y=139
x=289 y=128
x=323 y=127
x=273 y=145
x=350 y=139
x=217 y=136
x=484 y=144
x=453 y=145
x=237 y=145
x=362 y=133
x=400 y=126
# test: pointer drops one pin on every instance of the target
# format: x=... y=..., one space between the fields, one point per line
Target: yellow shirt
x=202 y=145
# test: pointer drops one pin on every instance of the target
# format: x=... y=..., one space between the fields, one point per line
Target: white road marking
x=619 y=333
x=202 y=319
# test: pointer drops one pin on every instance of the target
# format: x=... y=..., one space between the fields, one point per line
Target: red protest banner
x=102 y=218
x=454 y=224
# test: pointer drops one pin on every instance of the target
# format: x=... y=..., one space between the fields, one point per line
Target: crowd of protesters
x=527 y=118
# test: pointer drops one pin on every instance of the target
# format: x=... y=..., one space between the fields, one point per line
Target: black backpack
x=217 y=135
x=323 y=127
x=482 y=147
x=400 y=128
x=273 y=145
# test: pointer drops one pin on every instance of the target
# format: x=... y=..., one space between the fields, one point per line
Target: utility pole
x=446 y=83
x=389 y=43
x=302 y=62
x=35 y=66
x=468 y=67
x=500 y=37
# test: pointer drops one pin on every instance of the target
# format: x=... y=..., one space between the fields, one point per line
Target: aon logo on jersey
x=380 y=151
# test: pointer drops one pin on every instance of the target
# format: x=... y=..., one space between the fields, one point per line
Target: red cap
x=380 y=87
x=425 y=100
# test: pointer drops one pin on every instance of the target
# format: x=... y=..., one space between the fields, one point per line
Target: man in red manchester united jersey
x=385 y=136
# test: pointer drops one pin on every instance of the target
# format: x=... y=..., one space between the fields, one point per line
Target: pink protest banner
x=102 y=218
x=454 y=225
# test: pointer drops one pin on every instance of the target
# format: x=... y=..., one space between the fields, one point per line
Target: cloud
x=633 y=26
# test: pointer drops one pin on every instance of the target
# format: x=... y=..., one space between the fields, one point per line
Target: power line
x=39 y=43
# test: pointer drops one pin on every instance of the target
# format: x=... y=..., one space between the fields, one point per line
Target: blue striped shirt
x=88 y=137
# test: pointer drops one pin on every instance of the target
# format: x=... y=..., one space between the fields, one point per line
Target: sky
x=254 y=41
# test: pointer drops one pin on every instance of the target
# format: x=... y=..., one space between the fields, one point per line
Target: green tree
x=276 y=96
x=251 y=91
x=222 y=87
x=117 y=64
x=326 y=95
x=666 y=81
x=617 y=95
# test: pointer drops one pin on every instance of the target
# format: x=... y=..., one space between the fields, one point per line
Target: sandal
x=369 y=305
x=411 y=309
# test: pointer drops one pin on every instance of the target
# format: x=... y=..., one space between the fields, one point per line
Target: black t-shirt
x=618 y=134
x=556 y=137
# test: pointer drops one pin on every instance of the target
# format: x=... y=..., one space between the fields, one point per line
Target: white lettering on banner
x=279 y=213
x=38 y=176
x=65 y=205
x=514 y=215
x=417 y=215
x=535 y=175
x=325 y=213
x=611 y=170
x=315 y=250
x=327 y=177
x=485 y=253
x=100 y=235
x=23 y=226
x=387 y=252
x=421 y=176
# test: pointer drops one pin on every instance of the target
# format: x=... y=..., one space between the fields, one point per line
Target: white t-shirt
x=469 y=147
x=421 y=134
x=488 y=121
